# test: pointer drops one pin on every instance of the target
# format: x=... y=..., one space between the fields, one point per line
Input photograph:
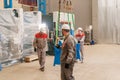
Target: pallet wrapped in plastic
x=11 y=33
x=32 y=20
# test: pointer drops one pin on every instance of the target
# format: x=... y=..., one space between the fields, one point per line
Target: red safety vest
x=80 y=35
x=43 y=35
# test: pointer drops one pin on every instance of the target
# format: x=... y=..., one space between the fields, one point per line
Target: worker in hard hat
x=39 y=43
x=80 y=36
x=68 y=54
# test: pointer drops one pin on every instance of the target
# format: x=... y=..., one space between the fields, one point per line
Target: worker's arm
x=35 y=43
x=82 y=39
x=77 y=37
x=71 y=52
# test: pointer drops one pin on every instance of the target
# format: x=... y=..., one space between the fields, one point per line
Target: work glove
x=78 y=41
x=67 y=65
x=58 y=46
x=35 y=49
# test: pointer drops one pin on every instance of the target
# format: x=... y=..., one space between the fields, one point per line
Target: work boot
x=42 y=69
x=73 y=78
x=76 y=61
x=81 y=59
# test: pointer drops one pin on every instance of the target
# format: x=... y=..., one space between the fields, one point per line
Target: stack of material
x=87 y=37
x=11 y=34
x=32 y=20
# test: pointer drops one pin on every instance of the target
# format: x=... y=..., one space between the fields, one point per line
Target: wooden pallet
x=31 y=58
x=87 y=43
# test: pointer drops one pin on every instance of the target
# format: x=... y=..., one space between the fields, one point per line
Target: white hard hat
x=42 y=30
x=66 y=26
x=80 y=29
x=42 y=27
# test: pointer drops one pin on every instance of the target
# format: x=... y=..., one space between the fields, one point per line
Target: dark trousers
x=67 y=74
x=41 y=57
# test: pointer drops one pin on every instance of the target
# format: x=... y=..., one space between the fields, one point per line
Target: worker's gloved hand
x=35 y=49
x=58 y=46
x=78 y=41
x=67 y=65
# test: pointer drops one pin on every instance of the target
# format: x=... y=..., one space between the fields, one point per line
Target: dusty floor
x=102 y=62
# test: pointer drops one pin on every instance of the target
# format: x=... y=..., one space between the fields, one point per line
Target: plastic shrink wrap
x=11 y=34
x=32 y=20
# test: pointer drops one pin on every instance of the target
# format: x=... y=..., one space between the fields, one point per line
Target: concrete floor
x=102 y=62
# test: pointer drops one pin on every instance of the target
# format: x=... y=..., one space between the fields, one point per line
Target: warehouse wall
x=1 y=4
x=15 y=4
x=95 y=19
x=81 y=8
